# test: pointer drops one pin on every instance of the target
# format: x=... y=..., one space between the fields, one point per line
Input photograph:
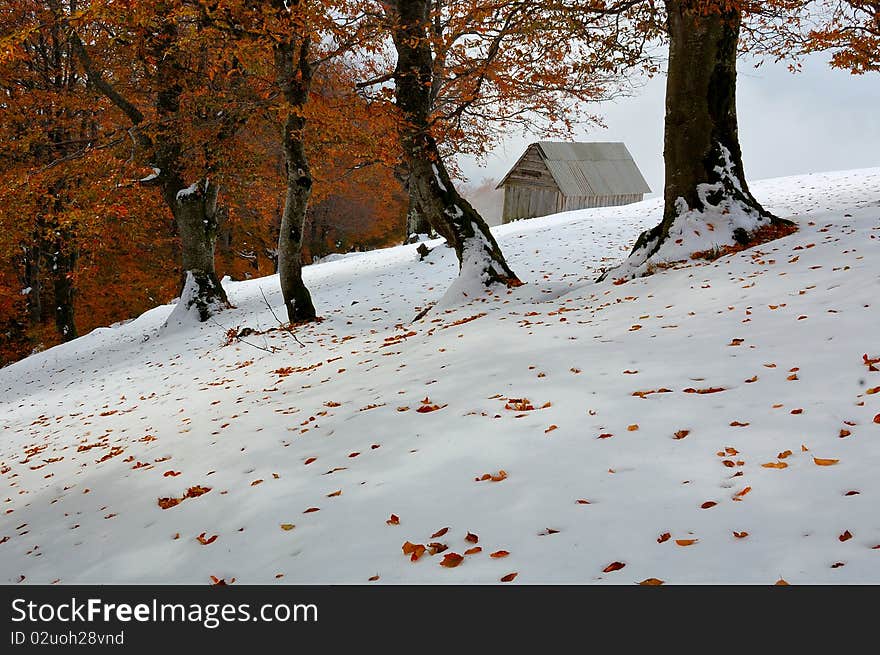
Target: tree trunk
x=195 y=213
x=63 y=265
x=416 y=222
x=32 y=260
x=294 y=75
x=430 y=186
x=701 y=142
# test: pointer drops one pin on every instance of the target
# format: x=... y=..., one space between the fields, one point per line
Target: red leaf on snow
x=614 y=566
x=394 y=520
x=472 y=538
x=451 y=560
x=473 y=551
x=706 y=390
x=220 y=581
x=201 y=539
x=681 y=434
x=846 y=536
x=509 y=577
x=415 y=551
x=499 y=553
x=439 y=533
x=312 y=509
x=708 y=504
x=739 y=494
x=663 y=537
x=740 y=535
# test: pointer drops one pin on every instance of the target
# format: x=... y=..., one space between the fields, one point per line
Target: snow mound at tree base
x=201 y=298
x=693 y=235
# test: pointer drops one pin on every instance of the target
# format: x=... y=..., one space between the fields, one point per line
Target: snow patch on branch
x=191 y=190
x=152 y=176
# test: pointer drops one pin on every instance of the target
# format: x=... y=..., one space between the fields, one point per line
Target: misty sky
x=817 y=120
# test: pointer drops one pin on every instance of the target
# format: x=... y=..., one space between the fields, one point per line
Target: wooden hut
x=553 y=177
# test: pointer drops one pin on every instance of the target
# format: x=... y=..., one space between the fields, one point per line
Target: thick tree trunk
x=195 y=214
x=294 y=76
x=430 y=186
x=297 y=298
x=701 y=144
x=416 y=221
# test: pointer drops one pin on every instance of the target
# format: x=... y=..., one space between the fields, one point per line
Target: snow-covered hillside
x=716 y=422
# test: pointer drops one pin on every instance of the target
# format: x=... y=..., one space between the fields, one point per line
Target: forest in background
x=144 y=144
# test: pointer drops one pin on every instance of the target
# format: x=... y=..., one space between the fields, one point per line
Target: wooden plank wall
x=529 y=201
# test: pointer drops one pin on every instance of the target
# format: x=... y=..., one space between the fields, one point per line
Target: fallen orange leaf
x=686 y=542
x=740 y=535
x=738 y=495
x=825 y=462
x=451 y=560
x=499 y=553
x=439 y=533
x=473 y=551
x=394 y=520
x=651 y=582
x=614 y=566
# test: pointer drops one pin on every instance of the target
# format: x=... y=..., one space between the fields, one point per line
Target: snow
x=695 y=230
x=97 y=430
x=152 y=176
x=186 y=310
x=437 y=177
x=188 y=191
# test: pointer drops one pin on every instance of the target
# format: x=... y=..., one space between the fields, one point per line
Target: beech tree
x=850 y=29
x=704 y=171
x=181 y=121
x=467 y=71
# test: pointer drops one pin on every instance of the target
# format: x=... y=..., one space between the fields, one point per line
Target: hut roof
x=589 y=169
